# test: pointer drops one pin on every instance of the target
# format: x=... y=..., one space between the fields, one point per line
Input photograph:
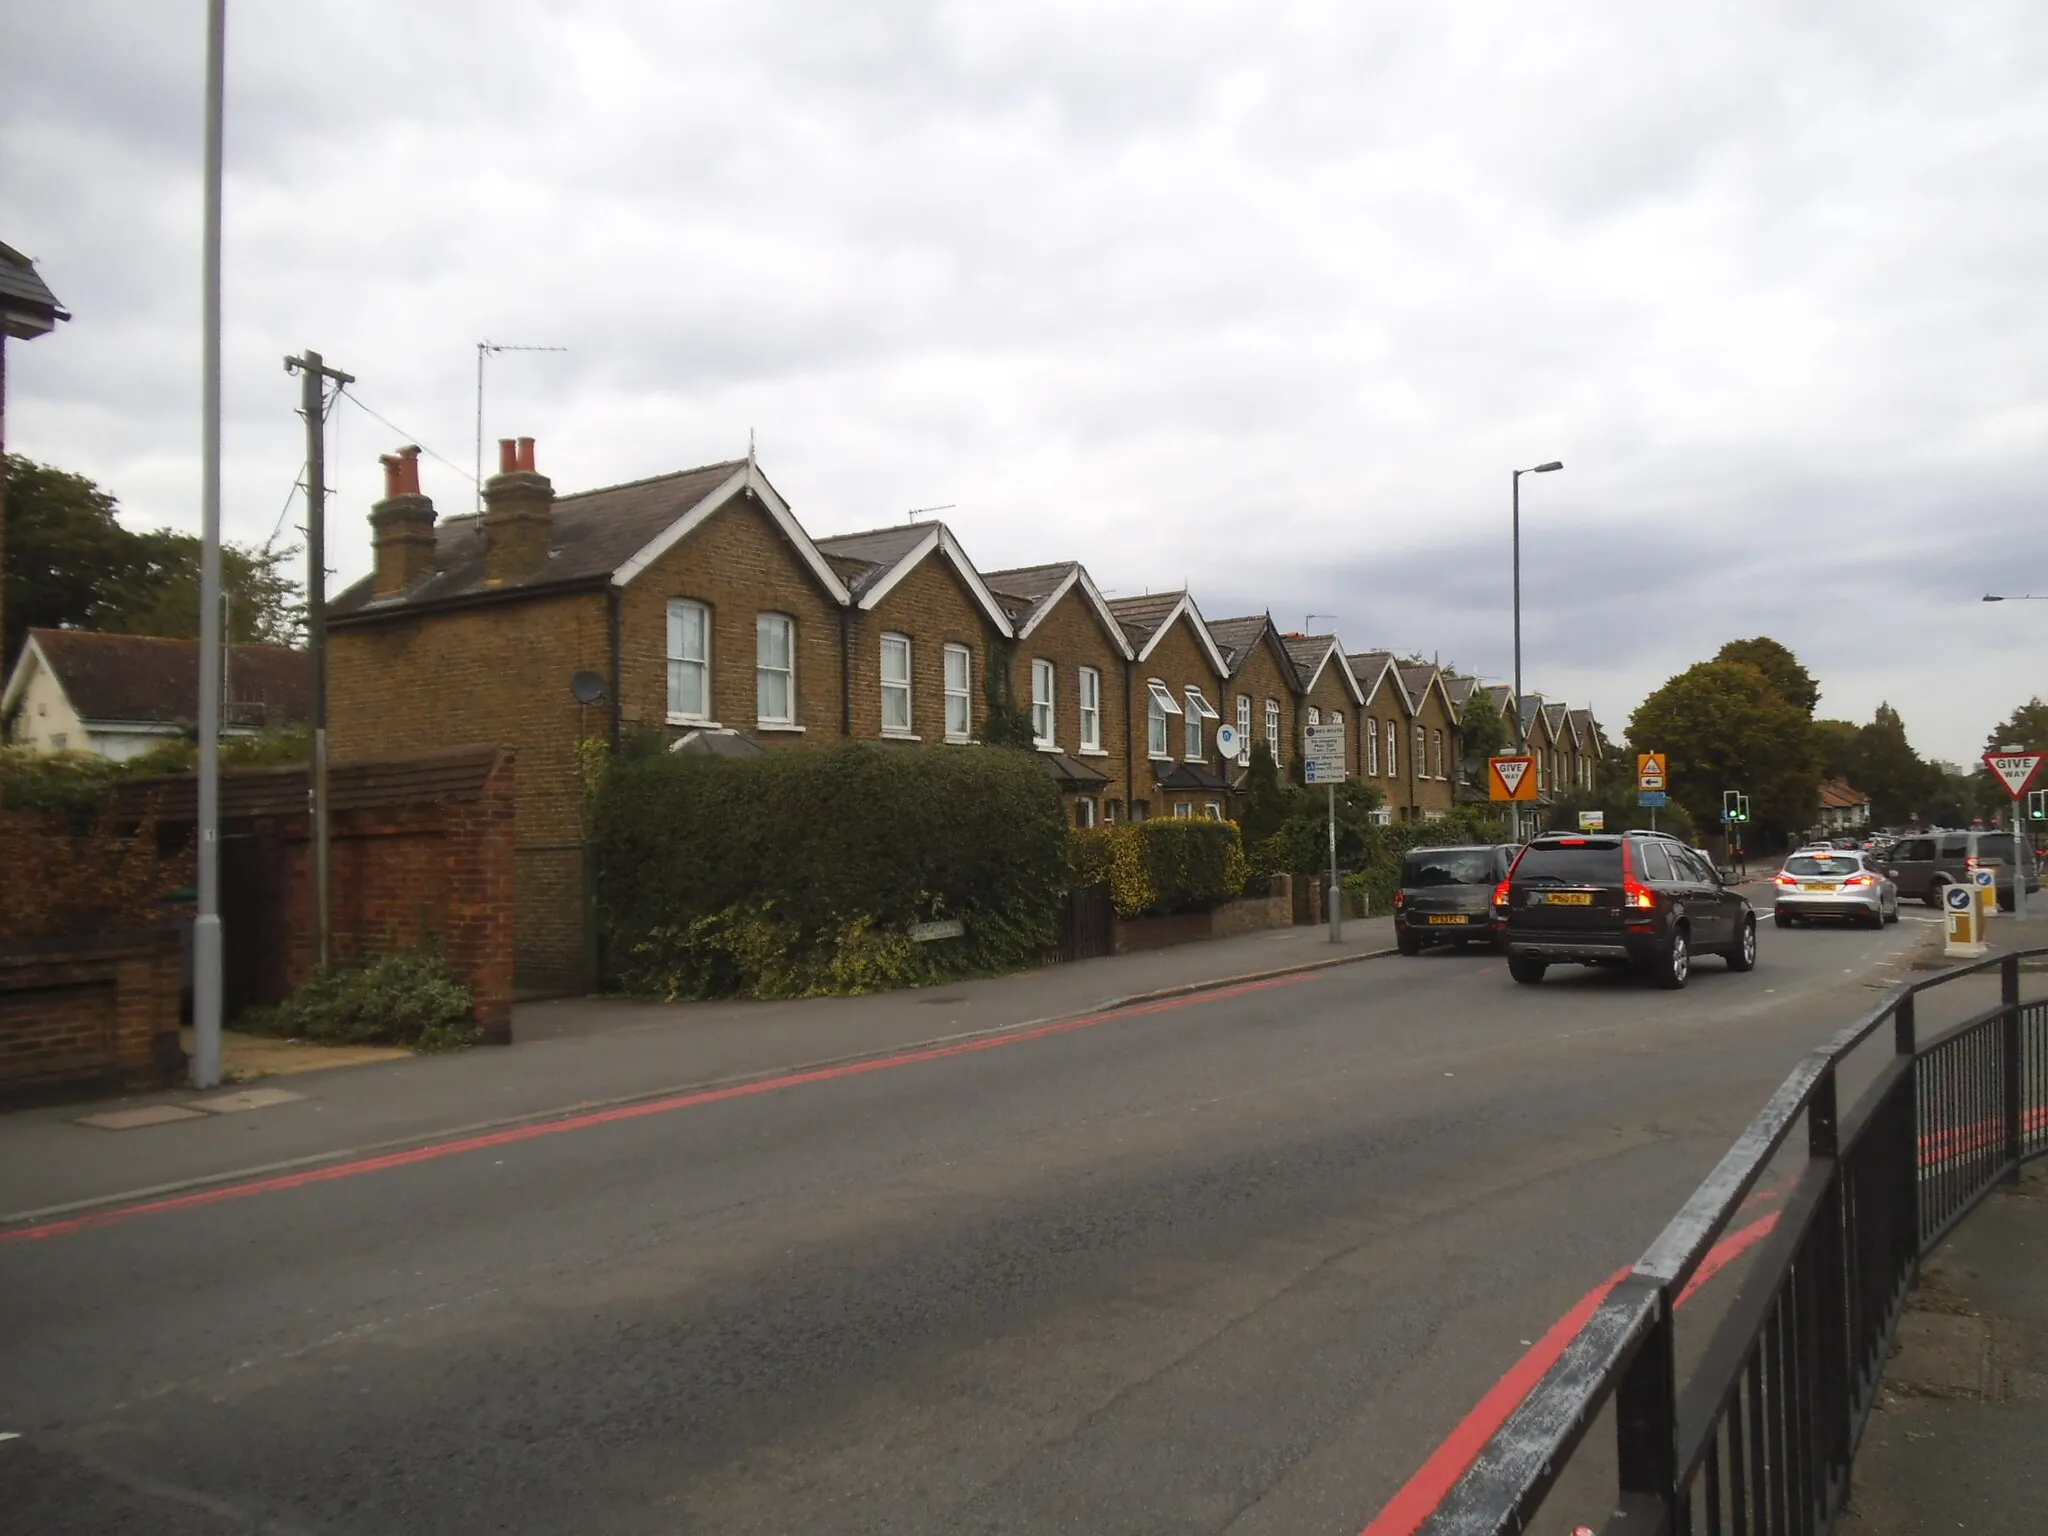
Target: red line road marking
x=434 y=1151
x=1421 y=1494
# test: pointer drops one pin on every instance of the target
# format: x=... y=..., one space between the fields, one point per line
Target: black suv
x=1640 y=898
x=1446 y=895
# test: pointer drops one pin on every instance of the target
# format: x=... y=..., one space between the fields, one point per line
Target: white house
x=117 y=696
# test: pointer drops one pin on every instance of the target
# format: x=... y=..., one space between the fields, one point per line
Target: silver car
x=1835 y=883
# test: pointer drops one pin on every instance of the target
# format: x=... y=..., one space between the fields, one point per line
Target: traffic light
x=1742 y=814
x=1731 y=806
x=2037 y=805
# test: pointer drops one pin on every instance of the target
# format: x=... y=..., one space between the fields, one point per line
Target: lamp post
x=2016 y=597
x=1515 y=704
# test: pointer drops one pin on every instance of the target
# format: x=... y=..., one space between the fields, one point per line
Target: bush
x=800 y=872
x=407 y=998
x=1154 y=868
x=74 y=785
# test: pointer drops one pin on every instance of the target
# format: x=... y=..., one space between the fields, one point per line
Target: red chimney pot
x=393 y=475
x=526 y=454
x=409 y=470
x=508 y=455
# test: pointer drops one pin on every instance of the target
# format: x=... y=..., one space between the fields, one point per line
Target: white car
x=1833 y=882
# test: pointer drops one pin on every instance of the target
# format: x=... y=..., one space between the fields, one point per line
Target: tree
x=1724 y=725
x=1836 y=741
x=1781 y=669
x=1482 y=730
x=1267 y=802
x=71 y=563
x=2025 y=728
x=1886 y=768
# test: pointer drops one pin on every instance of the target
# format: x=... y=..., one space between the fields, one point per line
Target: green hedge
x=1154 y=868
x=800 y=872
x=406 y=998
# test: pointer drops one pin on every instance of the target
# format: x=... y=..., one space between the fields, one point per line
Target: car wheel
x=1674 y=966
x=1933 y=897
x=1408 y=943
x=1525 y=970
x=1876 y=918
x=1743 y=956
x=1782 y=919
x=1892 y=914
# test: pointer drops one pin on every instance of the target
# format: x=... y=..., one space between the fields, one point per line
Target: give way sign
x=2014 y=769
x=1510 y=778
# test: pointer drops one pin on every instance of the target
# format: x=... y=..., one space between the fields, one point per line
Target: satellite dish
x=1226 y=740
x=587 y=687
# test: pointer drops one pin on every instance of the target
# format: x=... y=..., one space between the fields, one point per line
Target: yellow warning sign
x=1650 y=770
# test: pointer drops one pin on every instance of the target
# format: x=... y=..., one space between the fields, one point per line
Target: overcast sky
x=1269 y=299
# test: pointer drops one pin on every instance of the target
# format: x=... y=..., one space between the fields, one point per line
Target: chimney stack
x=402 y=525
x=519 y=515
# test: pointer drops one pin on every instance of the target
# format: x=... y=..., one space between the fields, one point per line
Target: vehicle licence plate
x=1568 y=898
x=1454 y=920
x=1816 y=885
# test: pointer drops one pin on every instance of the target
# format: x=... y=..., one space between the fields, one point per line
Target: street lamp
x=2017 y=597
x=1521 y=737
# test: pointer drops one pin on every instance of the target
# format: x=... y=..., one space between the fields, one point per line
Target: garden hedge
x=1158 y=867
x=801 y=871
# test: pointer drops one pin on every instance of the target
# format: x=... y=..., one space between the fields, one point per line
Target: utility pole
x=313 y=376
x=206 y=946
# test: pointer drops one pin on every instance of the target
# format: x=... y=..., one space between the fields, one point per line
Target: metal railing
x=1758 y=1439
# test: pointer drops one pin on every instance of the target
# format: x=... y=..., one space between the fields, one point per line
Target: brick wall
x=1386 y=706
x=739 y=565
x=935 y=608
x=90 y=1015
x=421 y=849
x=1071 y=637
x=1433 y=794
x=497 y=673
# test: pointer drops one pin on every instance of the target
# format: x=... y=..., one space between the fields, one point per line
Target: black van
x=1635 y=898
x=1446 y=895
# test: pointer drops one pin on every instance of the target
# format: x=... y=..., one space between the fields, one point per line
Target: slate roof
x=593 y=534
x=450 y=776
x=1190 y=776
x=1415 y=676
x=1236 y=637
x=1028 y=588
x=21 y=289
x=1071 y=771
x=1367 y=666
x=1557 y=715
x=1459 y=687
x=1141 y=615
x=862 y=559
x=1589 y=728
x=152 y=680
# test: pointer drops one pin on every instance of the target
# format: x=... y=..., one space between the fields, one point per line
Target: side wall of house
x=497 y=675
x=1180 y=662
x=1261 y=679
x=1434 y=776
x=1071 y=637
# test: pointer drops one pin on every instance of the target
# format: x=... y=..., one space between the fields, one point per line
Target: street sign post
x=1652 y=798
x=1965 y=921
x=1322 y=762
x=1511 y=778
x=1650 y=783
x=2015 y=769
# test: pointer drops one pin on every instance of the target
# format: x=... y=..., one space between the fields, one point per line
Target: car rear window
x=1821 y=864
x=1914 y=848
x=1995 y=845
x=1449 y=866
x=1575 y=863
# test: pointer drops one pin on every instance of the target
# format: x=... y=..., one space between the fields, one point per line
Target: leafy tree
x=1725 y=725
x=2025 y=728
x=1267 y=802
x=70 y=562
x=1780 y=668
x=1886 y=768
x=1480 y=726
x=1836 y=741
x=1004 y=722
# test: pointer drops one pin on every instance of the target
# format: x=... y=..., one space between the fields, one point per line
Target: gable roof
x=609 y=535
x=27 y=307
x=154 y=680
x=880 y=558
x=1418 y=677
x=1311 y=653
x=1587 y=727
x=1371 y=669
x=1146 y=619
x=1030 y=592
x=1840 y=795
x=1238 y=638
x=1458 y=688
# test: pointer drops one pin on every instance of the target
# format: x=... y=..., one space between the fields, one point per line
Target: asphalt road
x=1232 y=1264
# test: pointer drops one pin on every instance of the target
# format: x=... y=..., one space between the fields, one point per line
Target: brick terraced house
x=1176 y=678
x=1433 y=742
x=1382 y=728
x=1265 y=688
x=1070 y=667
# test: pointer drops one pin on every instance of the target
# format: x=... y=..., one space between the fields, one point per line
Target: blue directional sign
x=1652 y=797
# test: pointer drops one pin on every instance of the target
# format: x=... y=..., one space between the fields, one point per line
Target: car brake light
x=1634 y=895
x=1859 y=880
x=1571 y=842
x=1786 y=880
x=1970 y=863
x=1400 y=898
x=1500 y=894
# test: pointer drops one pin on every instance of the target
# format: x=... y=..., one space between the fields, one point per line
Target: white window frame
x=1182 y=811
x=1199 y=709
x=898 y=687
x=1084 y=811
x=1420 y=761
x=1159 y=704
x=1244 y=719
x=1273 y=743
x=963 y=695
x=1044 y=720
x=1212 y=810
x=1393 y=749
x=1372 y=745
x=1436 y=748
x=1088 y=692
x=679 y=662
x=765 y=670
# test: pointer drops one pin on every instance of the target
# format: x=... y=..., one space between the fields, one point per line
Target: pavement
x=1955 y=1441
x=572 y=1055
x=1236 y=1260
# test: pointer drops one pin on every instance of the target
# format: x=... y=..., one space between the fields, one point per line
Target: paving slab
x=137 y=1119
